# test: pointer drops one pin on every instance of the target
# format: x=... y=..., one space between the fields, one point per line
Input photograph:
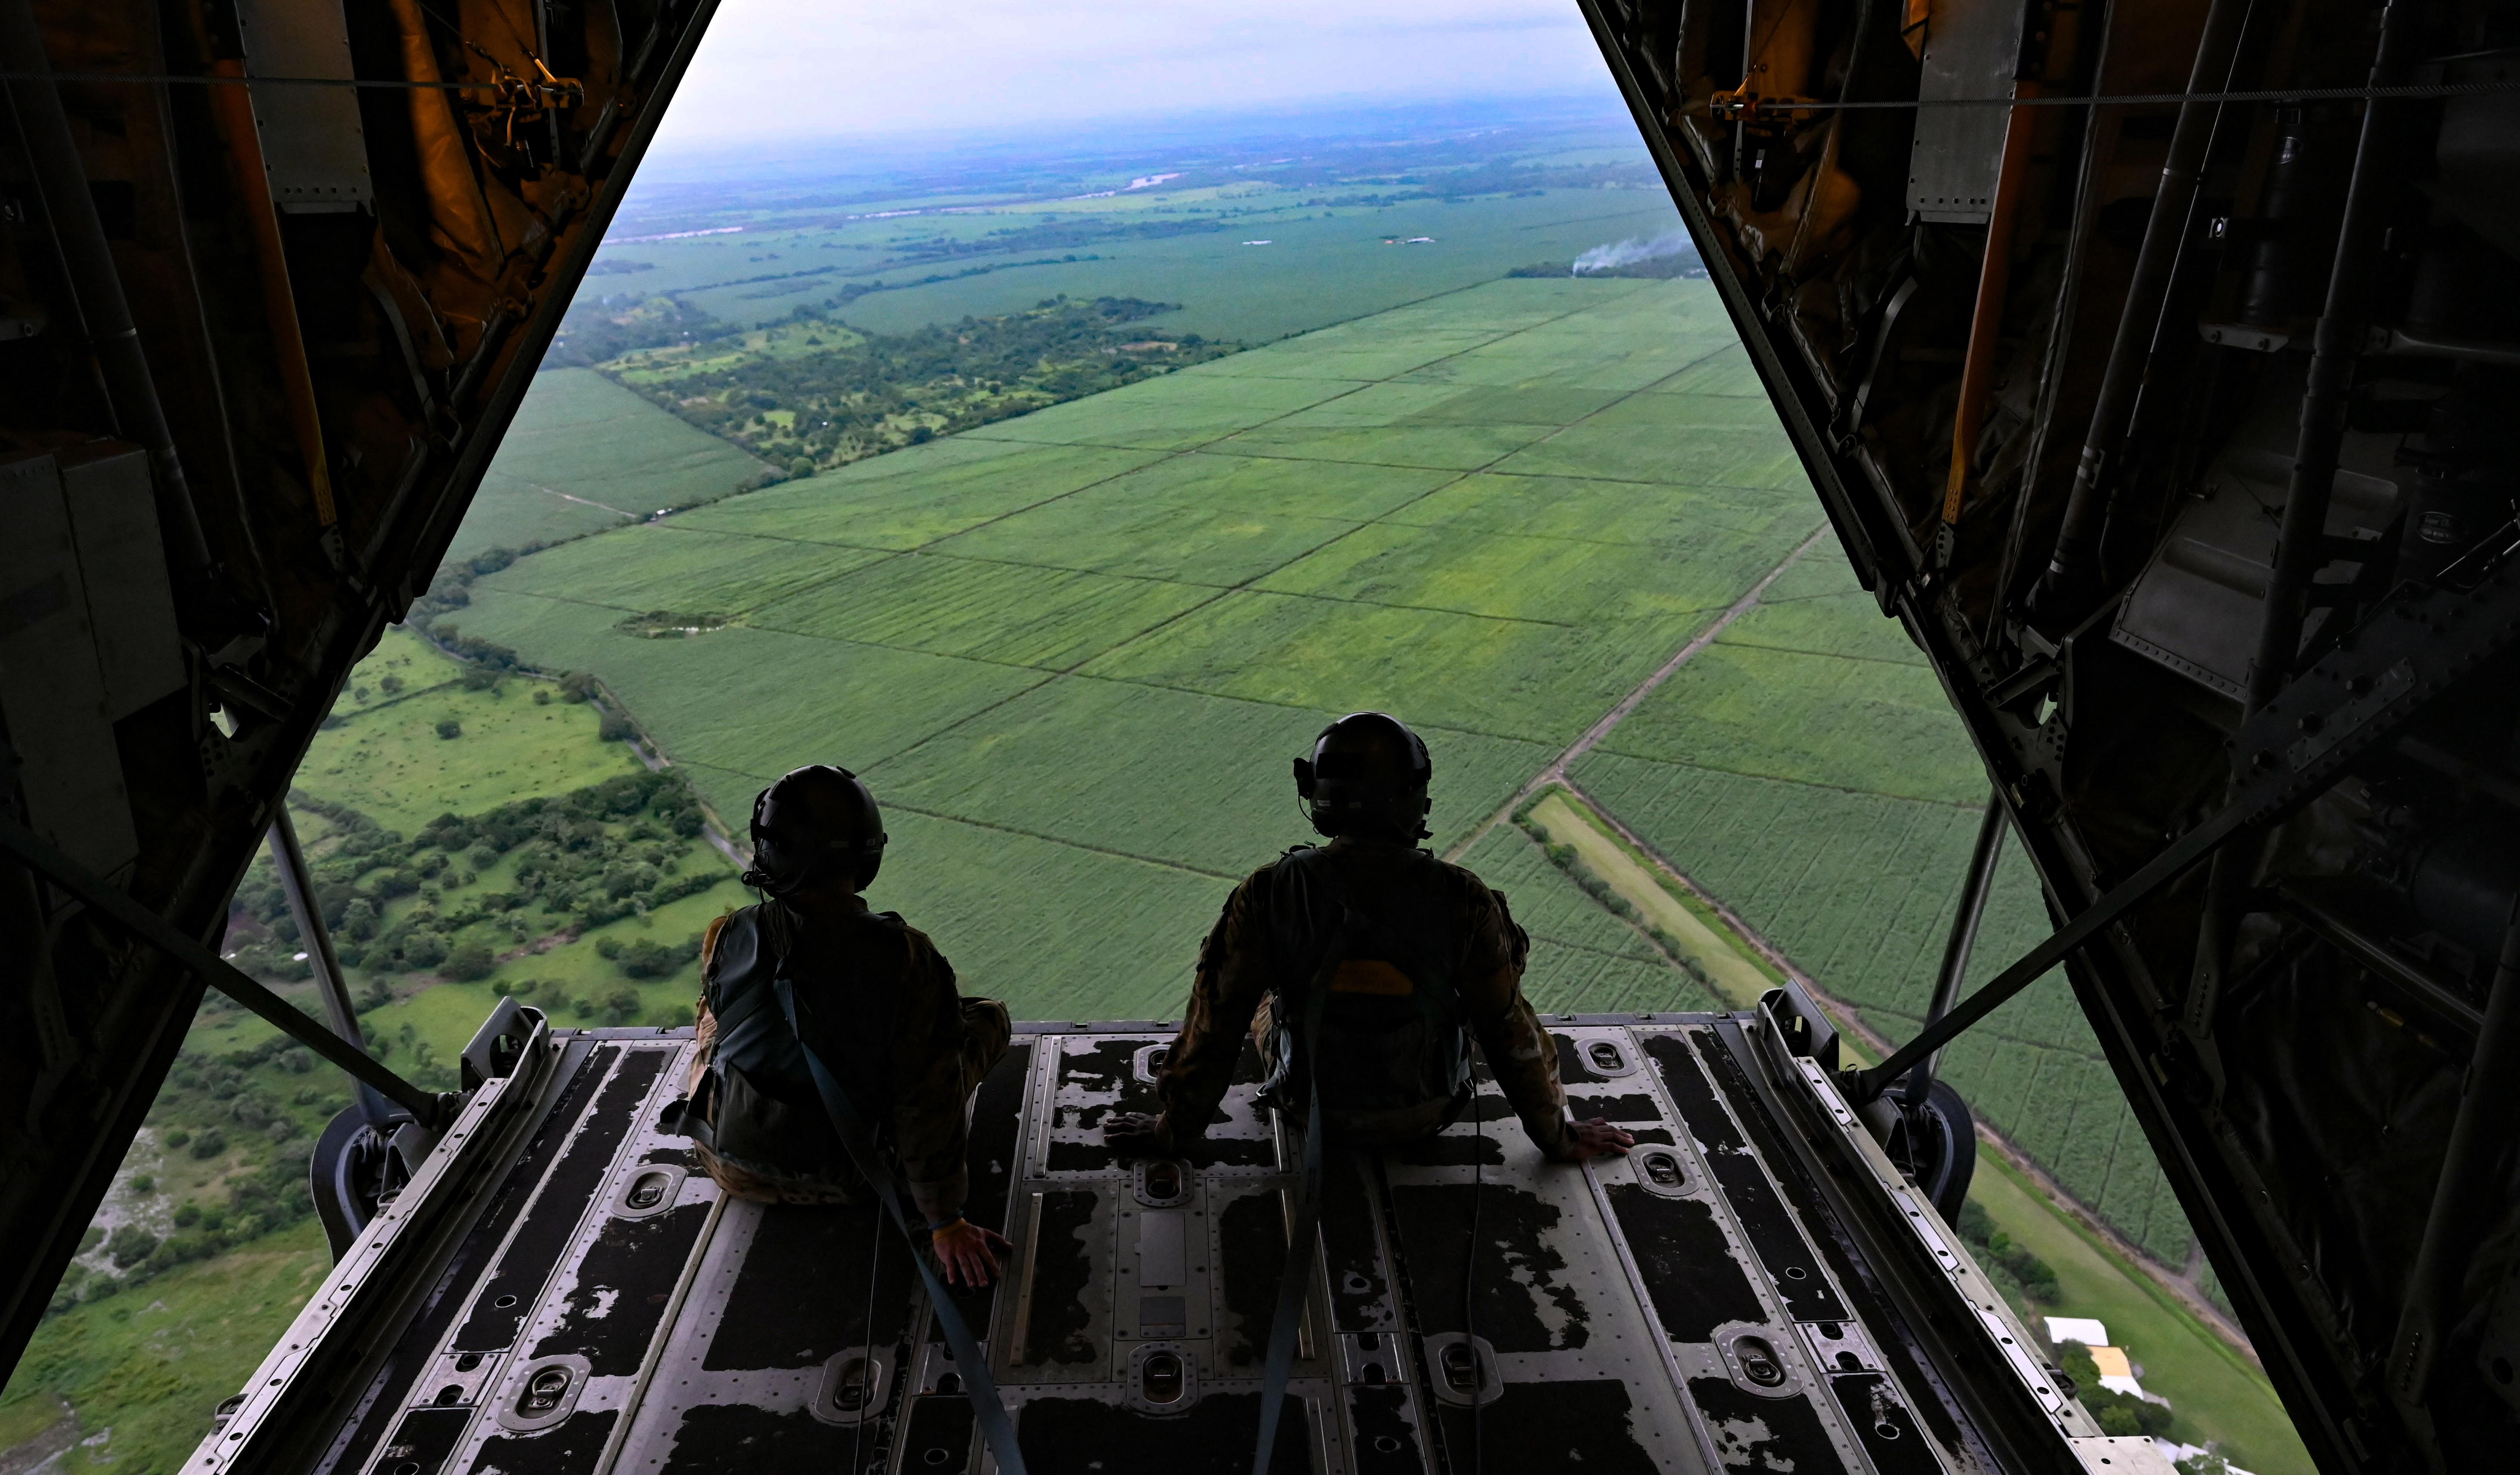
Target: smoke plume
x=1633 y=250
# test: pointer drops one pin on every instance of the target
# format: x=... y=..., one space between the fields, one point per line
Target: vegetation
x=2219 y=1399
x=1199 y=568
x=812 y=393
x=584 y=454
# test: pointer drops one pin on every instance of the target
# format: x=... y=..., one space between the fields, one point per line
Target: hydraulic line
x=2073 y=577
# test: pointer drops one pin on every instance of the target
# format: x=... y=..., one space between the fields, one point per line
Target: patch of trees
x=589 y=857
x=863 y=393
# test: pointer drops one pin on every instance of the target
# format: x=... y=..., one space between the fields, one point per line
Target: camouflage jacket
x=879 y=1005
x=1236 y=974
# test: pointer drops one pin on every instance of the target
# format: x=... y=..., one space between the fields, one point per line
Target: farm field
x=1806 y=770
x=585 y=454
x=1346 y=223
x=1073 y=650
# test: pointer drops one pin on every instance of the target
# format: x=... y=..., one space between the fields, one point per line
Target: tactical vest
x=757 y=1105
x=1375 y=934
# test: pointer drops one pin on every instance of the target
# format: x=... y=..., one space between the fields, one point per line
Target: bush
x=542 y=696
x=2122 y=1414
x=424 y=950
x=647 y=959
x=577 y=686
x=621 y=1006
x=448 y=726
x=391 y=685
x=211 y=1143
x=130 y=1245
x=178 y=1138
x=468 y=962
x=144 y=1183
x=188 y=1216
x=614 y=728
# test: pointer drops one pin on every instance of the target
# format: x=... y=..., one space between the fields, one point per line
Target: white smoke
x=1633 y=250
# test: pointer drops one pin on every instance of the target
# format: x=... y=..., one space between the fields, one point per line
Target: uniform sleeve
x=929 y=1131
x=1233 y=977
x=1518 y=1050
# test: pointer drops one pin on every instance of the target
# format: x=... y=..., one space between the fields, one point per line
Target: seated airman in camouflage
x=873 y=998
x=1369 y=963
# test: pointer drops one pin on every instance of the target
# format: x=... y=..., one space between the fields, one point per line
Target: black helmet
x=812 y=821
x=1367 y=776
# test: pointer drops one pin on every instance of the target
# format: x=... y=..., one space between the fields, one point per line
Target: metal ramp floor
x=561 y=1293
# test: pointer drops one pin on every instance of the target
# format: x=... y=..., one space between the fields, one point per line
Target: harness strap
x=1299 y=1253
x=968 y=1360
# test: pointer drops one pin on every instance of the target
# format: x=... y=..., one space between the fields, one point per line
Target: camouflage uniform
x=941 y=1046
x=1236 y=982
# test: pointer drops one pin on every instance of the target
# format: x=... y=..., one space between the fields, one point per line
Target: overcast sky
x=777 y=70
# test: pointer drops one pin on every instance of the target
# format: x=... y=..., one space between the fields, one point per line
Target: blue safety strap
x=968 y=1360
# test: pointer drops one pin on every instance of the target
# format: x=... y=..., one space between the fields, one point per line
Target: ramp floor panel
x=1695 y=1307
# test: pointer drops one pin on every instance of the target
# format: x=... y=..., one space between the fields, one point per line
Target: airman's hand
x=1596 y=1138
x=1133 y=1133
x=969 y=1254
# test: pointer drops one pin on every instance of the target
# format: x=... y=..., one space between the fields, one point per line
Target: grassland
x=158 y=1363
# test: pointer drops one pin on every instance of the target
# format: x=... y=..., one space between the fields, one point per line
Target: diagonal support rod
x=2194 y=846
x=1974 y=891
x=157 y=932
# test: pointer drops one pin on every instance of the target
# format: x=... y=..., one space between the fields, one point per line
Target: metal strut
x=426 y=1108
x=1974 y=891
x=2194 y=846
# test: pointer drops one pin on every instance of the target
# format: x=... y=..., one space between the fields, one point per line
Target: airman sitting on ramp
x=1370 y=963
x=872 y=996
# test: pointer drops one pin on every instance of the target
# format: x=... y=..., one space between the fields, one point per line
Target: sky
x=774 y=72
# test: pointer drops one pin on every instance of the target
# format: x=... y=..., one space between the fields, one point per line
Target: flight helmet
x=813 y=821
x=1366 y=777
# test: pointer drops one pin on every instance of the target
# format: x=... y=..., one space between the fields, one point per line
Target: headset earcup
x=1304 y=777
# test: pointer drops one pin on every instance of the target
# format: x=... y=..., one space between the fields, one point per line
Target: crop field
x=585 y=454
x=1256 y=242
x=1807 y=770
x=1073 y=651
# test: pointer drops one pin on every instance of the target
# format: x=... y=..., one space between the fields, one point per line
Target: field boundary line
x=1051 y=675
x=1850 y=1018
x=1051 y=839
x=1555 y=772
x=1832 y=788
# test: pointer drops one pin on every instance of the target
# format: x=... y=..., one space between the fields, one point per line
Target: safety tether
x=1299 y=1246
x=968 y=1360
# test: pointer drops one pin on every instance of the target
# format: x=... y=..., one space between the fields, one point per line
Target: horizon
x=765 y=76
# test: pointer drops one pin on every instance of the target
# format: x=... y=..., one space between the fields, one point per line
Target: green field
x=1073 y=650
x=1352 y=226
x=1807 y=770
x=585 y=454
x=154 y=1364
